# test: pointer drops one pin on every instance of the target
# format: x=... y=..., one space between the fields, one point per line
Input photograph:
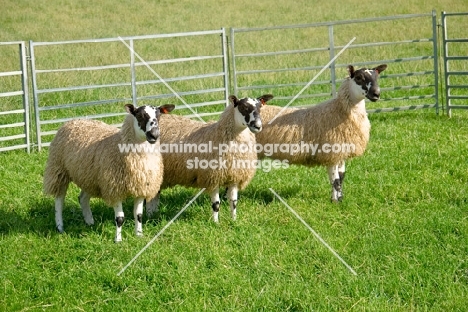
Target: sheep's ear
x=380 y=68
x=351 y=71
x=233 y=100
x=166 y=109
x=129 y=108
x=265 y=98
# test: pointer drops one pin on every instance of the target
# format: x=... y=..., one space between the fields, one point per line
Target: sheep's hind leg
x=119 y=220
x=215 y=204
x=84 y=199
x=138 y=214
x=59 y=201
x=334 y=177
x=341 y=174
x=232 y=196
x=152 y=206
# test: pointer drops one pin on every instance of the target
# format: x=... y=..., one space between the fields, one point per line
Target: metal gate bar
x=10 y=122
x=454 y=91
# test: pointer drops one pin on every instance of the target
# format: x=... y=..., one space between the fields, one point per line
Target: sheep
x=226 y=164
x=107 y=163
x=326 y=134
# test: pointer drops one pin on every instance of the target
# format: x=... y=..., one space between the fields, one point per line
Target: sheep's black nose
x=256 y=125
x=373 y=94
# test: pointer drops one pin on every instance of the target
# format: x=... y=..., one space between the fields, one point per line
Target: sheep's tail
x=56 y=180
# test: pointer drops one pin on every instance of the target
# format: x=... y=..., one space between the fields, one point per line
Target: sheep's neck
x=227 y=129
x=360 y=107
x=354 y=105
x=128 y=132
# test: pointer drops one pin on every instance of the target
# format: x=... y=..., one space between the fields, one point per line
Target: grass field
x=403 y=224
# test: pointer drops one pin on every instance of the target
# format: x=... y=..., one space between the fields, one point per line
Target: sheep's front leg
x=119 y=220
x=59 y=201
x=232 y=196
x=84 y=199
x=334 y=177
x=152 y=206
x=138 y=214
x=215 y=204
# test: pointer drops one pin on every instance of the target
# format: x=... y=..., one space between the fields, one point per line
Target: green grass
x=402 y=225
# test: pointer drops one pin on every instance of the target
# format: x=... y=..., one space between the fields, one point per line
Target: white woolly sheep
x=225 y=164
x=326 y=134
x=108 y=163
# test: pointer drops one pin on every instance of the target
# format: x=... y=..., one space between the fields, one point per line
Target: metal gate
x=94 y=78
x=455 y=50
x=263 y=60
x=14 y=104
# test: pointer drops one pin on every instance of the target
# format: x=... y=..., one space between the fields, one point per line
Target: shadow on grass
x=38 y=214
x=265 y=196
x=40 y=217
x=172 y=200
x=262 y=194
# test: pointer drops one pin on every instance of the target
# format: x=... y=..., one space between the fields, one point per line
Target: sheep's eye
x=243 y=109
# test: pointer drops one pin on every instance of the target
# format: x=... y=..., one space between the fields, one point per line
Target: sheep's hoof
x=59 y=229
x=118 y=238
x=89 y=222
x=337 y=199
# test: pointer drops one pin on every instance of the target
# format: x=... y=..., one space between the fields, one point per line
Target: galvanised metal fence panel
x=455 y=42
x=95 y=78
x=287 y=60
x=14 y=104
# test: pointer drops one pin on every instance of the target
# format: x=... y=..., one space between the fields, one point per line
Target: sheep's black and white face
x=366 y=81
x=147 y=118
x=247 y=112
